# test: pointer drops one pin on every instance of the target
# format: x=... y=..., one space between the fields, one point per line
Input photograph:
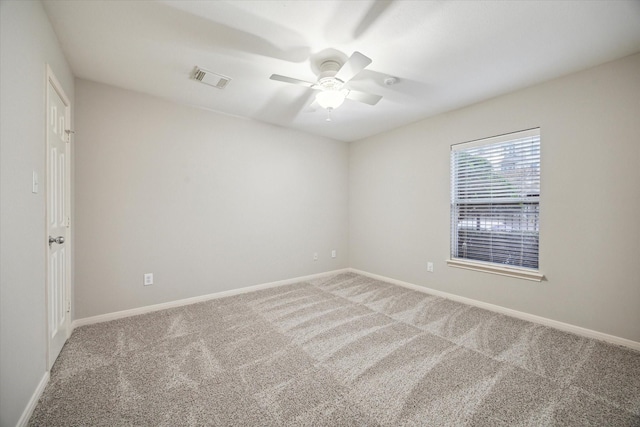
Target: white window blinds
x=495 y=200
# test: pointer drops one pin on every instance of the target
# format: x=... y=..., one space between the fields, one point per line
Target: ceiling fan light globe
x=331 y=98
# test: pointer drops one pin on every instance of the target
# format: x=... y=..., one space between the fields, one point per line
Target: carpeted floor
x=344 y=350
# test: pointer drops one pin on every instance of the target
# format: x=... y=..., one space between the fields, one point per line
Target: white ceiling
x=445 y=54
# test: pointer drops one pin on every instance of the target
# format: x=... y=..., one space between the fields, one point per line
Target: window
x=495 y=204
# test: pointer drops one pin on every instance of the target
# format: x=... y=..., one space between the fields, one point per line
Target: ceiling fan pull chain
x=329 y=110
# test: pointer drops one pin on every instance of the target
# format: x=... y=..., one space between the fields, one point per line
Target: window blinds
x=495 y=199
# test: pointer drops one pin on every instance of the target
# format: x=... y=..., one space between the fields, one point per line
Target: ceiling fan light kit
x=331 y=98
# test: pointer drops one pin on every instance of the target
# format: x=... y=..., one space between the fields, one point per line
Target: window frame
x=527 y=273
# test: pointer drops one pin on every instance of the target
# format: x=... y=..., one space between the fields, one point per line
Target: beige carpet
x=339 y=351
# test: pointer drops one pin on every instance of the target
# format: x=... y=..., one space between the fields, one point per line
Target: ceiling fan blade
x=367 y=98
x=286 y=79
x=377 y=9
x=356 y=63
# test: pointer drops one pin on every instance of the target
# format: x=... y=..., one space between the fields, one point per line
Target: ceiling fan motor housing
x=326 y=78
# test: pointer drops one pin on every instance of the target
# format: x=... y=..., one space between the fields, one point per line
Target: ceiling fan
x=331 y=82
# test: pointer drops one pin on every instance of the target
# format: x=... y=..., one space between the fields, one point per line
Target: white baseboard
x=26 y=414
x=589 y=333
x=150 y=308
x=509 y=312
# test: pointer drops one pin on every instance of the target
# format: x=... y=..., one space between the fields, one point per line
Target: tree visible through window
x=495 y=200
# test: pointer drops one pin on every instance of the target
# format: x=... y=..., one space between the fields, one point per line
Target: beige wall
x=206 y=202
x=590 y=202
x=27 y=44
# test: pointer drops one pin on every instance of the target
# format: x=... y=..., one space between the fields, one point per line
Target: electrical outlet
x=315 y=256
x=333 y=253
x=430 y=267
x=148 y=279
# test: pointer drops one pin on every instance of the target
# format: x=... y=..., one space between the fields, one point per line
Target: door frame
x=55 y=84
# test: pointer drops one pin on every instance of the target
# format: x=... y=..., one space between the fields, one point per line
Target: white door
x=58 y=220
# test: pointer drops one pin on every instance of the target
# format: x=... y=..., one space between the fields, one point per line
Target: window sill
x=519 y=273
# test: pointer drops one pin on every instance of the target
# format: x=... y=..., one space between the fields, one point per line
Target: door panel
x=58 y=304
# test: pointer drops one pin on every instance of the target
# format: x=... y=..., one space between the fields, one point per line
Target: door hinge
x=68 y=221
x=68 y=306
x=69 y=132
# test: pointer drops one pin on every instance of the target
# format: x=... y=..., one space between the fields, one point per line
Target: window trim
x=488 y=267
x=485 y=267
x=495 y=139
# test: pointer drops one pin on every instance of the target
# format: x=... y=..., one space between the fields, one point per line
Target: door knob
x=59 y=240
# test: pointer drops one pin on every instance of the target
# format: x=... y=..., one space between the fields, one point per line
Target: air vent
x=212 y=79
